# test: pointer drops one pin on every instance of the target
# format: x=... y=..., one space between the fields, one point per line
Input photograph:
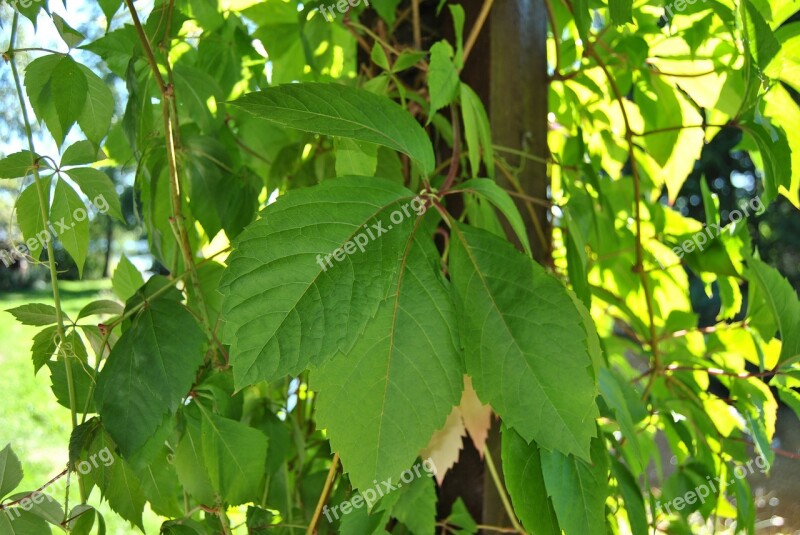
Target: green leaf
x=387 y=9
x=531 y=365
x=443 y=80
x=406 y=60
x=20 y=522
x=149 y=372
x=38 y=75
x=110 y=8
x=102 y=307
x=10 y=471
x=621 y=11
x=337 y=110
x=190 y=463
x=785 y=113
x=70 y=221
x=477 y=131
x=29 y=217
x=234 y=455
x=760 y=40
x=355 y=158
x=36 y=314
x=583 y=18
x=460 y=518
x=96 y=185
x=578 y=489
x=576 y=258
x=522 y=468
x=782 y=301
x=49 y=509
x=69 y=89
x=457 y=12
x=70 y=35
x=503 y=202
x=98 y=107
x=81 y=153
x=126 y=279
x=115 y=479
x=81 y=438
x=776 y=155
x=83 y=517
x=19 y=164
x=44 y=346
x=416 y=505
x=632 y=494
x=615 y=397
x=290 y=303
x=364 y=393
x=160 y=484
x=378 y=56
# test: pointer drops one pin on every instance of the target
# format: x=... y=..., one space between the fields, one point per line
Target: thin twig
x=51 y=258
x=171 y=129
x=501 y=490
x=40 y=489
x=323 y=497
x=476 y=29
x=637 y=194
x=417 y=22
x=456 y=157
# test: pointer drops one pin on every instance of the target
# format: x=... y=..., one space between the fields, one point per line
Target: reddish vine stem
x=40 y=489
x=171 y=129
x=456 y=157
x=637 y=208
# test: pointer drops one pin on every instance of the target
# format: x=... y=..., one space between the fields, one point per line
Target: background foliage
x=233 y=383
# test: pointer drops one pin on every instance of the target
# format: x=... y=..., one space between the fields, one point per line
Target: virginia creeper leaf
x=10 y=471
x=149 y=371
x=19 y=164
x=234 y=455
x=126 y=279
x=443 y=78
x=71 y=223
x=578 y=489
x=29 y=217
x=96 y=185
x=782 y=301
x=98 y=109
x=337 y=110
x=522 y=467
x=405 y=357
x=503 y=202
x=36 y=314
x=531 y=365
x=290 y=304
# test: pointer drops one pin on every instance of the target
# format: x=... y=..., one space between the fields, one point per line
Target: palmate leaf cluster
x=338 y=286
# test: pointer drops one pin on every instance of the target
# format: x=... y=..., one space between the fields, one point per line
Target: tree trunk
x=508 y=69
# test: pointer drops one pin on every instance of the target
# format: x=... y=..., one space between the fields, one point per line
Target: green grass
x=37 y=427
